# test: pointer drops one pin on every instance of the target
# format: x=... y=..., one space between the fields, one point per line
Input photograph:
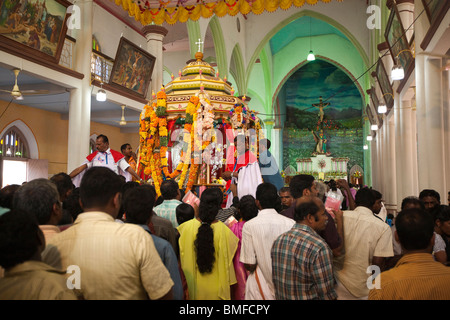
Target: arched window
x=13 y=144
x=91 y=146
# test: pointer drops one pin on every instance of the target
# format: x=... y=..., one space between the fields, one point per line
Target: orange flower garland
x=193 y=172
x=154 y=134
x=163 y=137
x=189 y=138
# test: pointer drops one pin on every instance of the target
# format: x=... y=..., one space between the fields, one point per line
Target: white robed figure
x=244 y=175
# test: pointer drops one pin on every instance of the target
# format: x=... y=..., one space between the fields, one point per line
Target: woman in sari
x=207 y=249
x=247 y=210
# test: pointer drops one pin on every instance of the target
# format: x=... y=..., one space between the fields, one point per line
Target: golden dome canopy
x=198 y=75
x=199 y=78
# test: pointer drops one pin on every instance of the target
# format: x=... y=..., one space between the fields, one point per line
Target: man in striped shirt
x=172 y=196
x=302 y=267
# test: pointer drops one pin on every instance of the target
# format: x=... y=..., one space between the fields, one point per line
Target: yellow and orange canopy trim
x=173 y=11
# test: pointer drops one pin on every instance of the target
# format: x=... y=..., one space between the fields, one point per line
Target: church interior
x=347 y=89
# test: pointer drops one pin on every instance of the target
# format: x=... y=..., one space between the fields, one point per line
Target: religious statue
x=320 y=106
x=321 y=142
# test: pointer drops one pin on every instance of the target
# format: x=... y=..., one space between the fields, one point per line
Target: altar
x=323 y=167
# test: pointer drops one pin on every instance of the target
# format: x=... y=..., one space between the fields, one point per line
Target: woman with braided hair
x=207 y=248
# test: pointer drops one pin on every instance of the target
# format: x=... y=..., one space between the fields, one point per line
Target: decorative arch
x=299 y=66
x=296 y=16
x=237 y=69
x=219 y=46
x=194 y=34
x=166 y=74
x=28 y=136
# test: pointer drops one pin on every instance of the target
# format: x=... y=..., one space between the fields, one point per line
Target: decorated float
x=187 y=129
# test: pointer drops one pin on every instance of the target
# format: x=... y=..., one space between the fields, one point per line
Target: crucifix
x=320 y=106
x=199 y=45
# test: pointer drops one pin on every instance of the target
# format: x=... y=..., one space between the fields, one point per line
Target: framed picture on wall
x=385 y=85
x=435 y=8
x=34 y=28
x=132 y=69
x=370 y=115
x=375 y=104
x=395 y=36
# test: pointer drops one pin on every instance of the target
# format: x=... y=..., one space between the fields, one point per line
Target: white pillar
x=80 y=98
x=408 y=150
x=384 y=157
x=400 y=155
x=379 y=161
x=431 y=123
x=276 y=146
x=406 y=11
x=391 y=182
x=155 y=35
x=374 y=160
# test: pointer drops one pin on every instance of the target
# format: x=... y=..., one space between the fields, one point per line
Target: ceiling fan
x=122 y=121
x=17 y=94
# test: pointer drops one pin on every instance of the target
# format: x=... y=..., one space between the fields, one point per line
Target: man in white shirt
x=367 y=242
x=105 y=157
x=258 y=236
x=116 y=261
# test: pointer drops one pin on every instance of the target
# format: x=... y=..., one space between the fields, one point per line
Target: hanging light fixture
x=374 y=127
x=101 y=94
x=382 y=108
x=369 y=138
x=397 y=72
x=311 y=56
x=366 y=147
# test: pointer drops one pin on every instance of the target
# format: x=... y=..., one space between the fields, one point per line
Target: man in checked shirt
x=302 y=263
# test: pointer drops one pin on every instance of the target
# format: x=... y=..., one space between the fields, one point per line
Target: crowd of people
x=112 y=239
x=281 y=244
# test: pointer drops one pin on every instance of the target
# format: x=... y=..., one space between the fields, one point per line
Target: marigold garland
x=199 y=118
x=193 y=171
x=161 y=106
x=189 y=139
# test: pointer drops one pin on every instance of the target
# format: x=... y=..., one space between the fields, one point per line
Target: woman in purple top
x=247 y=210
